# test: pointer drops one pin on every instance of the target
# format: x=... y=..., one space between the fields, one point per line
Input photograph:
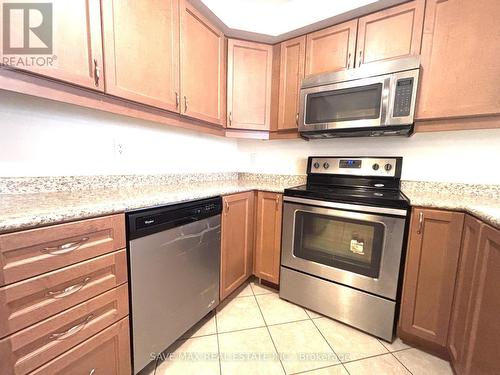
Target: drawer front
x=106 y=353
x=30 y=348
x=27 y=302
x=33 y=252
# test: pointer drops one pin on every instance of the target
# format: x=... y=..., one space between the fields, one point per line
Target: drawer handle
x=72 y=331
x=69 y=290
x=65 y=248
x=92 y=371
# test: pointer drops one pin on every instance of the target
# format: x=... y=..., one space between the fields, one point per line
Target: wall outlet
x=119 y=148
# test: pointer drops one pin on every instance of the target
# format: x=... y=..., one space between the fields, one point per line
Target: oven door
x=353 y=245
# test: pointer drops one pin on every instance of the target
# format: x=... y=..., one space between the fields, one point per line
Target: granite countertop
x=29 y=210
x=481 y=201
x=28 y=203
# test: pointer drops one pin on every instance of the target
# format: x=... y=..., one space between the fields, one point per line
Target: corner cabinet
x=237 y=241
x=268 y=236
x=391 y=33
x=249 y=70
x=430 y=272
x=202 y=67
x=141 y=49
x=460 y=59
x=291 y=74
x=475 y=329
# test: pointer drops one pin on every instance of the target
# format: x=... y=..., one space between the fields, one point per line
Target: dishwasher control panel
x=149 y=221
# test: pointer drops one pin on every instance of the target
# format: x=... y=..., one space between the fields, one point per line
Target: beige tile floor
x=256 y=332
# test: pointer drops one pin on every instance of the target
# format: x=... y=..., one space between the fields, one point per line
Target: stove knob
x=375 y=167
x=316 y=165
x=388 y=167
x=326 y=165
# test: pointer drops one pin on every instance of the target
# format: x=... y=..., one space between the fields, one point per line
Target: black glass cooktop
x=367 y=196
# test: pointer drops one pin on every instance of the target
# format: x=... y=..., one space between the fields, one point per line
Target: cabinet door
x=431 y=267
x=291 y=74
x=390 y=33
x=331 y=49
x=76 y=42
x=463 y=289
x=237 y=241
x=249 y=70
x=460 y=59
x=141 y=49
x=268 y=238
x=203 y=67
x=483 y=329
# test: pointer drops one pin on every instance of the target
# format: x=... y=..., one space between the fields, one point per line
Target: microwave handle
x=385 y=101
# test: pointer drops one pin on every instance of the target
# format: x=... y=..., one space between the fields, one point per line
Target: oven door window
x=351 y=245
x=351 y=104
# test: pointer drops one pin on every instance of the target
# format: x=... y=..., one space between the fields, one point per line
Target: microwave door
x=346 y=105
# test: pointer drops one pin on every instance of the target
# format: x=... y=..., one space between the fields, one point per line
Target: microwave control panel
x=402 y=97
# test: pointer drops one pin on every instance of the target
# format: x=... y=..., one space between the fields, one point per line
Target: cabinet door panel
x=237 y=241
x=431 y=267
x=460 y=59
x=291 y=74
x=76 y=43
x=463 y=289
x=141 y=48
x=331 y=49
x=249 y=85
x=483 y=329
x=390 y=33
x=268 y=236
x=202 y=67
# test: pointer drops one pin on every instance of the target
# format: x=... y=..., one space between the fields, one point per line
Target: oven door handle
x=348 y=207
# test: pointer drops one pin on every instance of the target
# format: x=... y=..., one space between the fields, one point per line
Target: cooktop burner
x=371 y=181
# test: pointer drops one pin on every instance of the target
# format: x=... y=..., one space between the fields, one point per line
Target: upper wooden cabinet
x=249 y=85
x=390 y=33
x=203 y=67
x=331 y=49
x=268 y=236
x=237 y=241
x=460 y=59
x=291 y=74
x=429 y=282
x=141 y=50
x=77 y=48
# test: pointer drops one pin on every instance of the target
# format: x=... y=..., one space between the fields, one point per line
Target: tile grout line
x=402 y=364
x=269 y=332
x=324 y=338
x=217 y=336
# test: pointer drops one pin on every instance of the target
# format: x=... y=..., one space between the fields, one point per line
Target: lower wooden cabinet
x=237 y=241
x=431 y=268
x=268 y=236
x=463 y=292
x=475 y=329
x=107 y=353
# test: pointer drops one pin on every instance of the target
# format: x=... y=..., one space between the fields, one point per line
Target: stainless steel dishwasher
x=174 y=262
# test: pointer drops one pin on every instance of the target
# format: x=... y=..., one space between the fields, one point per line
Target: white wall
x=462 y=156
x=40 y=137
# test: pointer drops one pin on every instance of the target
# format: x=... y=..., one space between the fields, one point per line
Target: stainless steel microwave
x=373 y=100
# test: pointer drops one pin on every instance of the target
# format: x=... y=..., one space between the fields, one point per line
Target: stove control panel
x=352 y=166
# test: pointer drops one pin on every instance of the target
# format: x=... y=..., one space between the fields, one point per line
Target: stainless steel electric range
x=343 y=241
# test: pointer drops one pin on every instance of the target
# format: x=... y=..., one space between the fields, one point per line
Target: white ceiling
x=272 y=21
x=276 y=17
